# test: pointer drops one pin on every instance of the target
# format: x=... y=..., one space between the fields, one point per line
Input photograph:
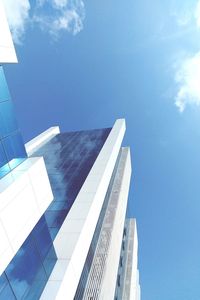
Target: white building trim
x=107 y=291
x=73 y=240
x=41 y=139
x=7 y=50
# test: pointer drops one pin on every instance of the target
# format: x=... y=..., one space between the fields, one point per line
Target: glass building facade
x=28 y=272
x=49 y=247
x=68 y=158
x=12 y=150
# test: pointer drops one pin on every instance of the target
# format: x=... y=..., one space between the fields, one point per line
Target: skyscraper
x=63 y=199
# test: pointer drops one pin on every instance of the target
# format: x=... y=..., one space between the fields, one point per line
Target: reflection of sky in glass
x=28 y=272
x=4 y=92
x=12 y=150
x=69 y=158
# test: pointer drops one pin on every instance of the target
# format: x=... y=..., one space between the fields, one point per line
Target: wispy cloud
x=188 y=80
x=60 y=15
x=52 y=16
x=18 y=14
x=187 y=75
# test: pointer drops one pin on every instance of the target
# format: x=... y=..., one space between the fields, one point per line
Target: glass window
x=3 y=282
x=69 y=157
x=55 y=218
x=26 y=270
x=14 y=147
x=35 y=291
x=42 y=237
x=50 y=260
x=29 y=270
x=3 y=159
x=8 y=122
x=7 y=293
x=4 y=92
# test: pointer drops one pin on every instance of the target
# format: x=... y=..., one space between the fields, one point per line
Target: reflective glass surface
x=28 y=272
x=68 y=159
x=12 y=150
x=4 y=92
x=7 y=293
x=3 y=282
x=3 y=158
x=8 y=121
x=13 y=146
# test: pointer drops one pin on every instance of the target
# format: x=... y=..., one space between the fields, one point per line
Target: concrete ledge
x=41 y=139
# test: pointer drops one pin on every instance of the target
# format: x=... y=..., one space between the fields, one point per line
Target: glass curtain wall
x=12 y=150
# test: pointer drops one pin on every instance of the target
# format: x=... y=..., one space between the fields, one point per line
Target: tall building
x=63 y=199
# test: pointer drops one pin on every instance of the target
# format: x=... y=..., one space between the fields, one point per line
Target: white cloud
x=67 y=16
x=53 y=16
x=61 y=3
x=17 y=13
x=188 y=80
x=187 y=76
x=69 y=20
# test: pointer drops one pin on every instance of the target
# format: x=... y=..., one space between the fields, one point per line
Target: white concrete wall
x=7 y=50
x=134 y=272
x=41 y=139
x=138 y=291
x=25 y=194
x=113 y=255
x=73 y=240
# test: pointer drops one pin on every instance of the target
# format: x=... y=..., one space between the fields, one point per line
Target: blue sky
x=82 y=64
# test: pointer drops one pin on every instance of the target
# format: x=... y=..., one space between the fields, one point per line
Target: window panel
x=55 y=218
x=14 y=147
x=3 y=282
x=35 y=291
x=42 y=237
x=3 y=159
x=4 y=92
x=31 y=267
x=25 y=269
x=8 y=122
x=7 y=293
x=69 y=158
x=50 y=260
